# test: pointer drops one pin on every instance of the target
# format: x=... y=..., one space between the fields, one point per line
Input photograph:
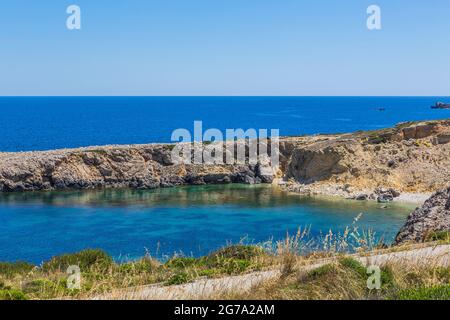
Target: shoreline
x=413 y=198
x=339 y=192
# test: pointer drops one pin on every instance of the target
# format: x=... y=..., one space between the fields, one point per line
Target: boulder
x=361 y=197
x=441 y=139
x=386 y=195
x=383 y=198
x=433 y=216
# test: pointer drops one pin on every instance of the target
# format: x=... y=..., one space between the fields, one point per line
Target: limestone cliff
x=411 y=157
x=134 y=166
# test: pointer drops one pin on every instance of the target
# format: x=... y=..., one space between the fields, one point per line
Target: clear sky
x=225 y=47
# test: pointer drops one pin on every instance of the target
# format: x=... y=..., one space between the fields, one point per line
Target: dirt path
x=204 y=288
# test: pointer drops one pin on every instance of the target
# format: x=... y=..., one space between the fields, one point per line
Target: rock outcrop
x=411 y=157
x=433 y=216
x=136 y=166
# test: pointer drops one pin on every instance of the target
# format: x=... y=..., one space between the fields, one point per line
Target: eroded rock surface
x=137 y=167
x=433 y=216
x=411 y=157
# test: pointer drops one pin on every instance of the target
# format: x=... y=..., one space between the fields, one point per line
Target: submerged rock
x=433 y=216
x=386 y=195
x=385 y=198
x=362 y=197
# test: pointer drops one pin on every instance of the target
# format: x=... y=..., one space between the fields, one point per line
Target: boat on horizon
x=441 y=105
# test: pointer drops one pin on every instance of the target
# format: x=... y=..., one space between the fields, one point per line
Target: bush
x=441 y=292
x=238 y=252
x=443 y=274
x=354 y=265
x=84 y=259
x=232 y=259
x=39 y=285
x=178 y=278
x=181 y=262
x=235 y=266
x=387 y=277
x=439 y=236
x=9 y=269
x=143 y=265
x=12 y=295
x=321 y=271
x=46 y=288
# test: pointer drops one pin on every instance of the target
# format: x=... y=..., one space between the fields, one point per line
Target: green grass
x=440 y=292
x=84 y=259
x=10 y=269
x=354 y=265
x=230 y=260
x=439 y=236
x=12 y=294
x=178 y=278
x=321 y=272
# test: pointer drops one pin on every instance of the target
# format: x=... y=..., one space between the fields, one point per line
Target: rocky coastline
x=407 y=161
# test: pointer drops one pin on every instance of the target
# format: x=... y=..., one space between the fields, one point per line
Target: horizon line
x=224 y=96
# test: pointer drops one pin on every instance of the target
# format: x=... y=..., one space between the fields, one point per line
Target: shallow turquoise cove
x=190 y=220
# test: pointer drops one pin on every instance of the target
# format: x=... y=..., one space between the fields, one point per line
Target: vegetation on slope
x=100 y=274
x=344 y=278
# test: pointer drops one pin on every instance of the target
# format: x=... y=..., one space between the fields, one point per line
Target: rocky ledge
x=410 y=158
x=432 y=217
x=133 y=166
x=380 y=164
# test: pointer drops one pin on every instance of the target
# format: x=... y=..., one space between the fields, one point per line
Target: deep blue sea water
x=189 y=220
x=39 y=123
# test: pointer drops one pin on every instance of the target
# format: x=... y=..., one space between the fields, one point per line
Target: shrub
x=181 y=262
x=145 y=264
x=234 y=266
x=208 y=272
x=178 y=278
x=354 y=265
x=441 y=292
x=238 y=252
x=321 y=271
x=38 y=285
x=439 y=236
x=12 y=295
x=387 y=277
x=84 y=259
x=9 y=269
x=443 y=274
x=46 y=288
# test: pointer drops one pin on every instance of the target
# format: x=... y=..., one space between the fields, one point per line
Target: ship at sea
x=441 y=105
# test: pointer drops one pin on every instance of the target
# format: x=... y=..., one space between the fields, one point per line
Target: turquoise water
x=40 y=123
x=189 y=220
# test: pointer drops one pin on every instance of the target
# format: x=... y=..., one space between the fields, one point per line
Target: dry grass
x=100 y=275
x=346 y=279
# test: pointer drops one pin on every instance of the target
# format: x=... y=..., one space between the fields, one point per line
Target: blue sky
x=227 y=47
